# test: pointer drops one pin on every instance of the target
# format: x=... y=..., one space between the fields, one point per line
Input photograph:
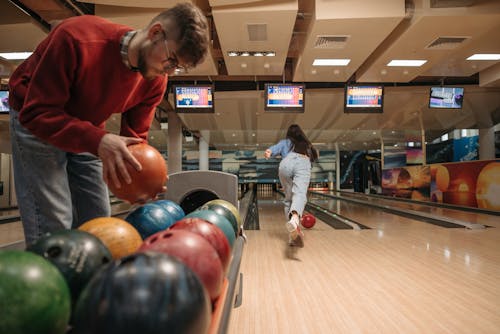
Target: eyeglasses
x=172 y=63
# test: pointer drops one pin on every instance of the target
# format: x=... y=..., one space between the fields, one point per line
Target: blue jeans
x=55 y=189
x=295 y=174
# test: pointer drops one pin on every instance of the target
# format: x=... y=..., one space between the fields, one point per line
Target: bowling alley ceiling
x=367 y=33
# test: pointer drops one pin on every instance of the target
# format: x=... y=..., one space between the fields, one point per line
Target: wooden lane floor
x=400 y=276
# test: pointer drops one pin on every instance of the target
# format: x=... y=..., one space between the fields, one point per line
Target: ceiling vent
x=330 y=42
x=446 y=43
x=257 y=32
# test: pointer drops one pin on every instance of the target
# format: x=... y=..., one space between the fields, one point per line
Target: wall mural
x=474 y=183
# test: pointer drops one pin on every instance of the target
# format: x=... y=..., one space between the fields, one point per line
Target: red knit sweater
x=75 y=80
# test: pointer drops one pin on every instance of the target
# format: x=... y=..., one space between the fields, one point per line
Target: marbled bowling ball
x=150 y=218
x=173 y=208
x=149 y=181
x=120 y=237
x=77 y=254
x=34 y=297
x=211 y=233
x=226 y=209
x=218 y=220
x=146 y=293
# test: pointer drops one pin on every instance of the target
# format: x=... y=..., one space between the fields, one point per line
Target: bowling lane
x=468 y=216
x=369 y=216
x=406 y=277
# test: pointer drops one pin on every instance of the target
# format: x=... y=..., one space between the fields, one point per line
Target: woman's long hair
x=300 y=142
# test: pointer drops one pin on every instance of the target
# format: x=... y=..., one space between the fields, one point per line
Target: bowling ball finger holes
x=54 y=252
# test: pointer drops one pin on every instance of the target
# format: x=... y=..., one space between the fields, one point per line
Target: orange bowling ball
x=147 y=183
x=119 y=236
x=308 y=220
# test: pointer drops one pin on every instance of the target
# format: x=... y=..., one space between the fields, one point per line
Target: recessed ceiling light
x=258 y=54
x=485 y=56
x=271 y=54
x=406 y=62
x=331 y=62
x=232 y=53
x=245 y=54
x=15 y=55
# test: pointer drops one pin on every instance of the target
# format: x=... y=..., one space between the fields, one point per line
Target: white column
x=487 y=144
x=204 y=140
x=337 y=167
x=174 y=143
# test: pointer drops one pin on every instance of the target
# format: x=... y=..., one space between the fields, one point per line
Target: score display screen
x=364 y=98
x=194 y=99
x=284 y=98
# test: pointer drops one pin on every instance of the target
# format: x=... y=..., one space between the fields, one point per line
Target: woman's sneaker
x=296 y=237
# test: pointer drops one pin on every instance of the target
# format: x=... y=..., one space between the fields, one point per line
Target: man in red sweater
x=84 y=71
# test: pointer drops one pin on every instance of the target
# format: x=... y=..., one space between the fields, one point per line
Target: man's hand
x=114 y=154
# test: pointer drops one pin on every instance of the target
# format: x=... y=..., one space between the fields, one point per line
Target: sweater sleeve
x=43 y=112
x=136 y=121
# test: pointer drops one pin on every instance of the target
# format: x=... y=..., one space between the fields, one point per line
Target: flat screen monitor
x=194 y=99
x=4 y=102
x=364 y=98
x=446 y=97
x=284 y=97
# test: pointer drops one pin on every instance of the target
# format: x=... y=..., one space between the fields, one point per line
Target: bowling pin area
x=370 y=265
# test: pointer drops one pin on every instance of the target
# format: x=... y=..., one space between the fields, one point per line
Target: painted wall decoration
x=471 y=183
x=349 y=160
x=414 y=156
x=394 y=157
x=251 y=166
x=474 y=184
x=439 y=152
x=466 y=149
x=412 y=182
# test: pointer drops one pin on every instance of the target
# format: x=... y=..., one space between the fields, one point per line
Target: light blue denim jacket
x=283 y=147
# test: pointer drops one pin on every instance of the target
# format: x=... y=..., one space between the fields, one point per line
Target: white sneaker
x=292 y=224
x=296 y=237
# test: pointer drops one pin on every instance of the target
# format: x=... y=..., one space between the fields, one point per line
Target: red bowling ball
x=149 y=181
x=211 y=233
x=308 y=220
x=194 y=251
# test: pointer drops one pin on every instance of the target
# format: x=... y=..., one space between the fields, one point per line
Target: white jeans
x=55 y=189
x=295 y=173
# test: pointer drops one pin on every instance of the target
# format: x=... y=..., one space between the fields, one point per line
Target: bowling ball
x=194 y=251
x=149 y=219
x=34 y=297
x=77 y=254
x=211 y=233
x=173 y=208
x=120 y=237
x=225 y=209
x=218 y=220
x=308 y=220
x=147 y=293
x=146 y=183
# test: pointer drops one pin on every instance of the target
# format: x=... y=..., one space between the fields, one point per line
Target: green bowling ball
x=227 y=210
x=218 y=220
x=34 y=297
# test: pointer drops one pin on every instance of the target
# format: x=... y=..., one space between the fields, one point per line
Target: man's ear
x=154 y=31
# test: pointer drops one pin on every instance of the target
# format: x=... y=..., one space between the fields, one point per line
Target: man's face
x=158 y=57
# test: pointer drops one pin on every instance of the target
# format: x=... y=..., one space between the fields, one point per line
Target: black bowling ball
x=77 y=254
x=146 y=293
